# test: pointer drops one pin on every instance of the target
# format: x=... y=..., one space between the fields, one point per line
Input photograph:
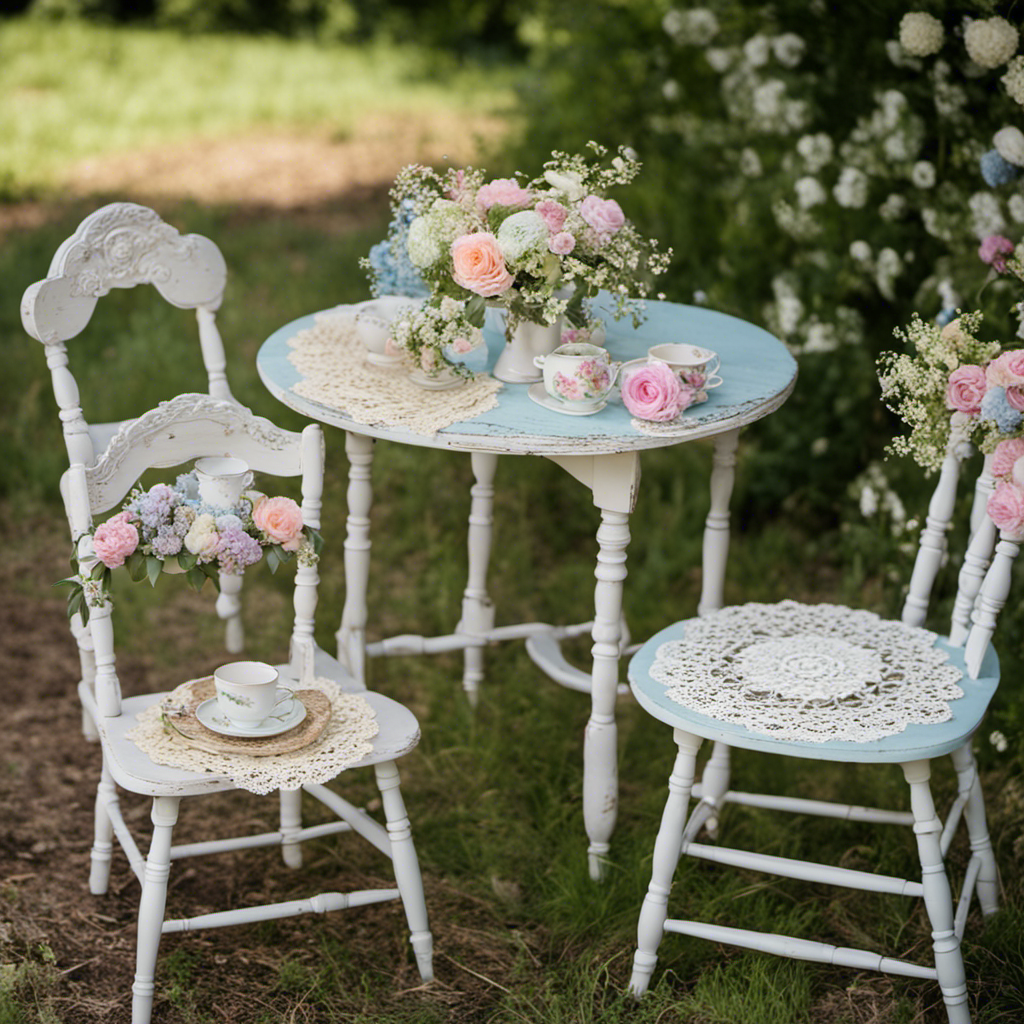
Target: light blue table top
x=758 y=374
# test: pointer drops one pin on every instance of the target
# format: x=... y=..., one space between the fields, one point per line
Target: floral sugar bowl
x=578 y=375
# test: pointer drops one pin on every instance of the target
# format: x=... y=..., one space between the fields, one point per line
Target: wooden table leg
x=613 y=481
x=351 y=635
x=477 y=608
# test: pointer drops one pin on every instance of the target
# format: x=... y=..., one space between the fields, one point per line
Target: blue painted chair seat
x=916 y=742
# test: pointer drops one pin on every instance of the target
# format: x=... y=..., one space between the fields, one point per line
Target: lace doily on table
x=344 y=741
x=332 y=361
x=809 y=672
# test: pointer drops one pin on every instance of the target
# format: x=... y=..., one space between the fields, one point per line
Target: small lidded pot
x=579 y=374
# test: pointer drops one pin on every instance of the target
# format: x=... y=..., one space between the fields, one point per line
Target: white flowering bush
x=821 y=171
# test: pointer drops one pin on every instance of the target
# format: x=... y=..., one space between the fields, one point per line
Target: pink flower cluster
x=116 y=539
x=280 y=519
x=1006 y=503
x=968 y=384
x=993 y=250
x=654 y=392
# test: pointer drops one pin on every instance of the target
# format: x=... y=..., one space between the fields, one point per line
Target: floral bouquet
x=172 y=527
x=538 y=249
x=956 y=382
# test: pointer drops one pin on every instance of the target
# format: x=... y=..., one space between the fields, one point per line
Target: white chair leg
x=653 y=913
x=87 y=660
x=938 y=900
x=477 y=609
x=714 y=784
x=103 y=837
x=406 y=866
x=987 y=884
x=351 y=635
x=151 y=906
x=229 y=609
x=291 y=823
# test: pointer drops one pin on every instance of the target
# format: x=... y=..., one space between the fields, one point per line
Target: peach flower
x=966 y=389
x=1006 y=508
x=479 y=264
x=115 y=540
x=281 y=520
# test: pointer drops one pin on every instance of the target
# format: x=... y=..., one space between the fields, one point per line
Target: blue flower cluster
x=995 y=407
x=997 y=171
x=391 y=271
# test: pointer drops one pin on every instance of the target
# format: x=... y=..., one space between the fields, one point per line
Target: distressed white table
x=600 y=451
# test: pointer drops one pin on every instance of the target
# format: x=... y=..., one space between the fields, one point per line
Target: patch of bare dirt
x=277 y=171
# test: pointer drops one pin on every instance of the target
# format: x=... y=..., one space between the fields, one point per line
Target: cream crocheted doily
x=332 y=361
x=344 y=741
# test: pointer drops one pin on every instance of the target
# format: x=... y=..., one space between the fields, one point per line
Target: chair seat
x=134 y=771
x=914 y=742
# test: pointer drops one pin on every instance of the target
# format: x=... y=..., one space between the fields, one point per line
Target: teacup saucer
x=286 y=718
x=541 y=397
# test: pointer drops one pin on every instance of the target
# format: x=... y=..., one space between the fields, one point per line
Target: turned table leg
x=351 y=635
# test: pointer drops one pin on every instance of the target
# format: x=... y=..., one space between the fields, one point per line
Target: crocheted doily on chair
x=344 y=741
x=809 y=673
x=332 y=361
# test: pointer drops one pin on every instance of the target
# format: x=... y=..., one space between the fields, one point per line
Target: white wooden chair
x=177 y=431
x=120 y=246
x=759 y=659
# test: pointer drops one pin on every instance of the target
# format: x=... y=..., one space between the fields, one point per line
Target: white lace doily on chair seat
x=809 y=673
x=345 y=740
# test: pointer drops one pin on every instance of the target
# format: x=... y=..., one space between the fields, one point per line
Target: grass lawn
x=522 y=934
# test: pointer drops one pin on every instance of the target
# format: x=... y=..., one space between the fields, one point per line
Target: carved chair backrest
x=984 y=580
x=120 y=246
x=173 y=434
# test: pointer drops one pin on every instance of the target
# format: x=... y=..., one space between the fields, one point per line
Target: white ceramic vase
x=515 y=364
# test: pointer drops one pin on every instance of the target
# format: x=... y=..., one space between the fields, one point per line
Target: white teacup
x=373 y=327
x=694 y=365
x=222 y=479
x=247 y=692
x=579 y=374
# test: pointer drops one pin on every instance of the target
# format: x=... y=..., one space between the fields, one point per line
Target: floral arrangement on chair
x=955 y=382
x=170 y=528
x=537 y=248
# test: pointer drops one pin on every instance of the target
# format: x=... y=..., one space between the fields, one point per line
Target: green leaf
x=187 y=560
x=73 y=581
x=273 y=557
x=316 y=539
x=196 y=578
x=98 y=570
x=136 y=566
x=75 y=600
x=211 y=572
x=153 y=569
x=476 y=310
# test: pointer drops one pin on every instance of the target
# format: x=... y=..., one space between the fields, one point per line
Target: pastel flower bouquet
x=170 y=528
x=538 y=249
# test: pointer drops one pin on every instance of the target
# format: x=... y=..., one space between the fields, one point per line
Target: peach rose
x=1006 y=508
x=1006 y=455
x=281 y=520
x=115 y=540
x=1007 y=369
x=966 y=389
x=479 y=264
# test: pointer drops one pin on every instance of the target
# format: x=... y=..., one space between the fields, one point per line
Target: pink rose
x=1007 y=369
x=503 y=192
x=479 y=264
x=654 y=392
x=605 y=216
x=553 y=214
x=1015 y=397
x=1006 y=455
x=1006 y=508
x=994 y=250
x=966 y=389
x=281 y=520
x=115 y=540
x=562 y=244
